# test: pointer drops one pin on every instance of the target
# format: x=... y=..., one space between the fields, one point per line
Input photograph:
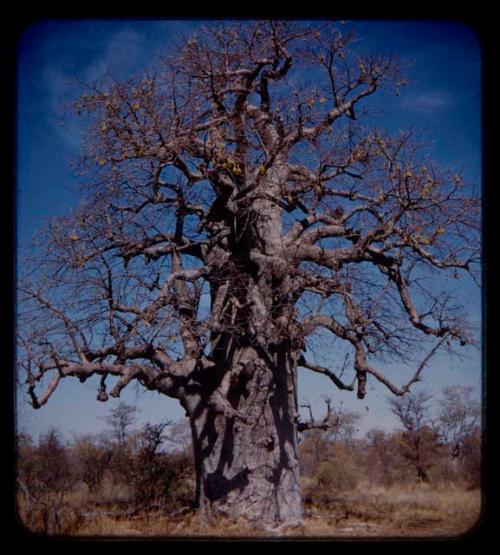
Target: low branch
x=329 y=421
x=325 y=371
x=164 y=381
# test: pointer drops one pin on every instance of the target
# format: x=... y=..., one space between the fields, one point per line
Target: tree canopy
x=247 y=127
x=235 y=202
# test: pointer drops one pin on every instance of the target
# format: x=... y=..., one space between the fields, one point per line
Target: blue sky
x=443 y=99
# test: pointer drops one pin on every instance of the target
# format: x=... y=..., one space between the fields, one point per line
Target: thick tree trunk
x=247 y=466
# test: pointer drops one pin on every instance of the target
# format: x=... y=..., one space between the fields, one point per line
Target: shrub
x=92 y=459
x=337 y=475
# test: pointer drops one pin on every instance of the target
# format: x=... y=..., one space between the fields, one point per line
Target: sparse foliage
x=92 y=458
x=382 y=455
x=322 y=437
x=44 y=476
x=370 y=477
x=151 y=477
x=120 y=420
x=458 y=417
x=52 y=468
x=418 y=440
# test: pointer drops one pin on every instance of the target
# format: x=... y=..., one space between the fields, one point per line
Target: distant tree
x=26 y=465
x=345 y=428
x=149 y=475
x=159 y=476
x=236 y=202
x=53 y=467
x=151 y=437
x=92 y=459
x=24 y=442
x=471 y=458
x=458 y=417
x=120 y=420
x=322 y=436
x=418 y=440
x=45 y=474
x=179 y=438
x=381 y=457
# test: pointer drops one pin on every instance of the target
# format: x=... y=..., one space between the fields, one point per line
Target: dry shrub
x=49 y=516
x=164 y=479
x=92 y=459
x=45 y=476
x=339 y=474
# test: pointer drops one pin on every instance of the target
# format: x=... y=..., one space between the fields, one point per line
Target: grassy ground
x=416 y=511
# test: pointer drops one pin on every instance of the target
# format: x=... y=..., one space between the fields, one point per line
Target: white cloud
x=428 y=102
x=62 y=88
x=121 y=52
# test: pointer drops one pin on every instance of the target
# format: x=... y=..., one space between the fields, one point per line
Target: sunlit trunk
x=250 y=468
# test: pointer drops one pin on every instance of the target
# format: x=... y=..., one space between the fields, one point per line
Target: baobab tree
x=233 y=206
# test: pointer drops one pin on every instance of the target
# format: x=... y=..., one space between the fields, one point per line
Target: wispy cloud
x=62 y=89
x=428 y=102
x=121 y=52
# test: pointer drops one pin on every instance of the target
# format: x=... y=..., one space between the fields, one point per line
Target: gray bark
x=247 y=464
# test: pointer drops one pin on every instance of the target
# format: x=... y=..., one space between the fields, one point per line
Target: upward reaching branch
x=235 y=207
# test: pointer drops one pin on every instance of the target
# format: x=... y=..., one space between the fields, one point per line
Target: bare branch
x=330 y=420
x=322 y=370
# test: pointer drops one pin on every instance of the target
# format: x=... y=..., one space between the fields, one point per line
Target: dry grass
x=414 y=511
x=417 y=511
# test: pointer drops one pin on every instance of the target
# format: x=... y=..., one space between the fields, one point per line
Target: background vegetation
x=423 y=478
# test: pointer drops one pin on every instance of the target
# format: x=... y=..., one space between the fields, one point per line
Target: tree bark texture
x=247 y=465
